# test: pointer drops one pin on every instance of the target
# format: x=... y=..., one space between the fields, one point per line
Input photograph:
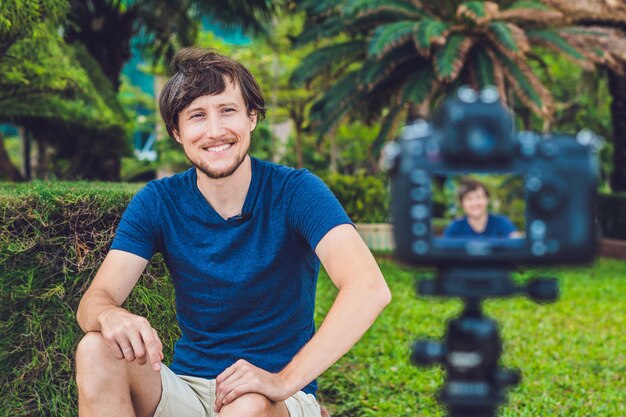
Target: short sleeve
x=313 y=209
x=507 y=226
x=136 y=232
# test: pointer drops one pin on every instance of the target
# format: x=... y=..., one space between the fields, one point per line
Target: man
x=243 y=240
x=478 y=222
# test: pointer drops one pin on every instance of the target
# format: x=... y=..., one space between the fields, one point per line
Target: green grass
x=572 y=353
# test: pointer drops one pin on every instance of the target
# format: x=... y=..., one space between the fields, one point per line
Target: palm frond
x=449 y=60
x=419 y=85
x=477 y=11
x=430 y=32
x=362 y=8
x=554 y=41
x=314 y=64
x=338 y=100
x=388 y=128
x=498 y=76
x=317 y=7
x=535 y=5
x=527 y=86
x=374 y=70
x=604 y=46
x=530 y=11
x=509 y=38
x=387 y=37
x=328 y=28
x=482 y=68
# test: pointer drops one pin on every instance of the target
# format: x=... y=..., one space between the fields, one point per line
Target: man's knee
x=95 y=361
x=250 y=405
x=92 y=349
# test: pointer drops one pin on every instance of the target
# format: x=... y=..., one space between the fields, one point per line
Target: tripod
x=474 y=384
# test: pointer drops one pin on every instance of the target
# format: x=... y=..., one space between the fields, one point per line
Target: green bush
x=364 y=197
x=612 y=215
x=53 y=237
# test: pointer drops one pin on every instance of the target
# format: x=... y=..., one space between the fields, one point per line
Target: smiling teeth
x=218 y=148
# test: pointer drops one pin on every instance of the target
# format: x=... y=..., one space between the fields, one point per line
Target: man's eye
x=195 y=115
x=228 y=110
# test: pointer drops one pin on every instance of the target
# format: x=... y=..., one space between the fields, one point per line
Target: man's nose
x=215 y=128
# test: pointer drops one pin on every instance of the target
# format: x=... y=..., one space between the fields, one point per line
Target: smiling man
x=478 y=222
x=243 y=240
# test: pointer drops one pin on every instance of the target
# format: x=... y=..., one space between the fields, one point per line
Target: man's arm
x=363 y=293
x=128 y=336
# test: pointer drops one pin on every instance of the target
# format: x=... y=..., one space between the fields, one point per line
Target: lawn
x=572 y=353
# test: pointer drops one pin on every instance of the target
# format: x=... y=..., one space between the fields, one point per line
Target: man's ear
x=176 y=136
x=253 y=119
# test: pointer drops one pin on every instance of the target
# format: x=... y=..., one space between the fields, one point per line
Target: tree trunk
x=6 y=167
x=299 y=156
x=106 y=32
x=334 y=151
x=617 y=87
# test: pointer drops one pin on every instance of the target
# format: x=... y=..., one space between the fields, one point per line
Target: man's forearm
x=93 y=304
x=352 y=313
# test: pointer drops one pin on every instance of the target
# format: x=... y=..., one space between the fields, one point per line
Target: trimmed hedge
x=612 y=215
x=53 y=237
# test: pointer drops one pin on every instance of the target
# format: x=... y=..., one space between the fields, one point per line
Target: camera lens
x=480 y=140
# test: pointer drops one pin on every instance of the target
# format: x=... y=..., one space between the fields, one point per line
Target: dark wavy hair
x=198 y=72
x=468 y=185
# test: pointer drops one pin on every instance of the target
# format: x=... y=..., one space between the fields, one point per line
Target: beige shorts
x=188 y=396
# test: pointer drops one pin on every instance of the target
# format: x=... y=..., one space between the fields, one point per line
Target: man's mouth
x=218 y=148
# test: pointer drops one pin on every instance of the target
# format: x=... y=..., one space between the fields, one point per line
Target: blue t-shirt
x=245 y=286
x=498 y=226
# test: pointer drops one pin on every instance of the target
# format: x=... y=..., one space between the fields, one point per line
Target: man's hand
x=131 y=337
x=242 y=378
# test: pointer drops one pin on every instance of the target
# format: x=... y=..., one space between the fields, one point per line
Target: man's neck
x=478 y=224
x=227 y=195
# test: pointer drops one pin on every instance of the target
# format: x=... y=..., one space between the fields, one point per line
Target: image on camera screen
x=481 y=208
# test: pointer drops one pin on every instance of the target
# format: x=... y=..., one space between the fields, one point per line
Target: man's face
x=475 y=203
x=215 y=132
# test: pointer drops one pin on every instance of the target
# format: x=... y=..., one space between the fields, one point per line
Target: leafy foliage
x=452 y=43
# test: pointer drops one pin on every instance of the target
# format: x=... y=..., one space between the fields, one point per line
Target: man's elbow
x=382 y=295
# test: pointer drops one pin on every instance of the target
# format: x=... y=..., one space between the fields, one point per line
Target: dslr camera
x=473 y=133
x=555 y=178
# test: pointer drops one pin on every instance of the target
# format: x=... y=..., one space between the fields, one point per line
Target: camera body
x=473 y=133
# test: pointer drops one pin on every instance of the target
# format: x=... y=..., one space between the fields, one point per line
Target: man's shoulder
x=499 y=218
x=278 y=170
x=281 y=176
x=501 y=223
x=172 y=183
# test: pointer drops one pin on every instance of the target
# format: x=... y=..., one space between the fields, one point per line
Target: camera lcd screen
x=478 y=213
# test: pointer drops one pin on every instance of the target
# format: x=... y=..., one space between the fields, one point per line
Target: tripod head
x=470 y=352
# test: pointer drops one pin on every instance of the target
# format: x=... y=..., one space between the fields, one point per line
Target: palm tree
x=608 y=14
x=394 y=57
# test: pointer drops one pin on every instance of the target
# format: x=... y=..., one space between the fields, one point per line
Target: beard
x=215 y=174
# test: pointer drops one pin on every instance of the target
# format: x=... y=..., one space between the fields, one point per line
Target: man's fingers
x=139 y=350
x=115 y=348
x=127 y=349
x=154 y=348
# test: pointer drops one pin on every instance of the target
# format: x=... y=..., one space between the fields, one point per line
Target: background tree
x=607 y=14
x=25 y=22
x=159 y=27
x=106 y=29
x=395 y=58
